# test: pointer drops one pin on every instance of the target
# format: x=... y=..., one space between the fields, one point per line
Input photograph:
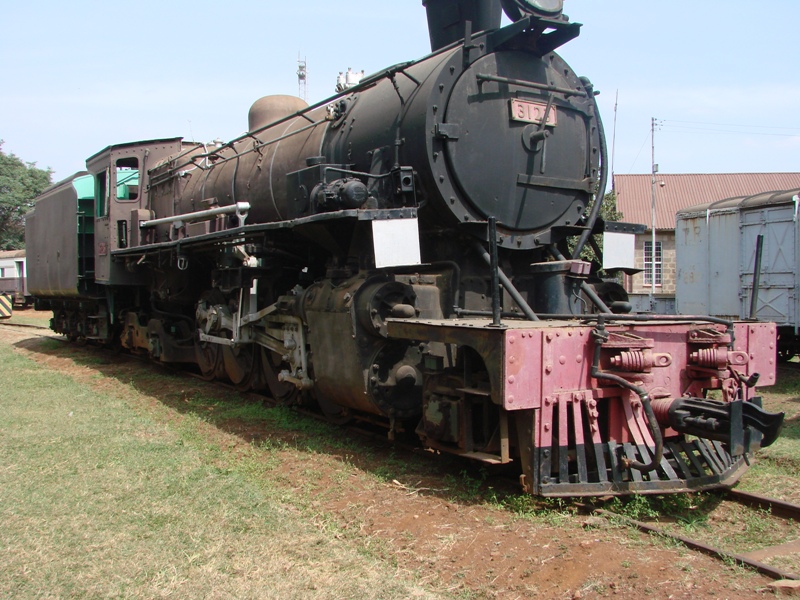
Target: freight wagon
x=737 y=258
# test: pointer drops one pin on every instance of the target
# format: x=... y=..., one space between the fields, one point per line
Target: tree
x=608 y=212
x=20 y=183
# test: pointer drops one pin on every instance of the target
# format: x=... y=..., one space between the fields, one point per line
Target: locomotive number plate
x=532 y=112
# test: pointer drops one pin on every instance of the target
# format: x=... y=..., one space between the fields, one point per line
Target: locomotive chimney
x=447 y=19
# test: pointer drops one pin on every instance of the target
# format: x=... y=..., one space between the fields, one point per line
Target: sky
x=75 y=77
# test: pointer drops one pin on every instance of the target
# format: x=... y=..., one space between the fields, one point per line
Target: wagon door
x=776 y=294
x=21 y=288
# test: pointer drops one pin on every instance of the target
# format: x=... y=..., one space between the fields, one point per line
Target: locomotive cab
x=120 y=177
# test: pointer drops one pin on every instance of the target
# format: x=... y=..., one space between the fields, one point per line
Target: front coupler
x=742 y=426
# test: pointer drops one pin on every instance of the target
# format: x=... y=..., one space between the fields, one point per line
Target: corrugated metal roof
x=738 y=203
x=634 y=192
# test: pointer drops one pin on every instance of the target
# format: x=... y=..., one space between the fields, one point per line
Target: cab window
x=101 y=195
x=127 y=179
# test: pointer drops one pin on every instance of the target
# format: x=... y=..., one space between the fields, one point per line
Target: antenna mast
x=302 y=78
x=614 y=139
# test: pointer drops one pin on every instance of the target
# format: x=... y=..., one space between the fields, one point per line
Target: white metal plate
x=396 y=242
x=618 y=250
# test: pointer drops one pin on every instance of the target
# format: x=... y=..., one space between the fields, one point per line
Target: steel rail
x=738 y=559
x=23 y=325
x=26 y=325
x=777 y=508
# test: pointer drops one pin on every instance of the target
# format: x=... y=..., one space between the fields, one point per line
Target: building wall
x=635 y=283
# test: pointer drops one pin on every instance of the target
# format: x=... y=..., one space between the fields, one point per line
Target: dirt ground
x=472 y=550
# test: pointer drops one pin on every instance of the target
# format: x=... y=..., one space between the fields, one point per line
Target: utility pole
x=653 y=171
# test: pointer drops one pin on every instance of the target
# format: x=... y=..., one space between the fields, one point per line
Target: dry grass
x=29 y=316
x=777 y=472
x=102 y=499
x=158 y=486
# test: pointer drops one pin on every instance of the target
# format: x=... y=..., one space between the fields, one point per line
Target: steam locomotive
x=408 y=253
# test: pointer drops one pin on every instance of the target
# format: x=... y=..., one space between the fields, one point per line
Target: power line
x=668 y=125
x=646 y=137
x=743 y=132
x=730 y=124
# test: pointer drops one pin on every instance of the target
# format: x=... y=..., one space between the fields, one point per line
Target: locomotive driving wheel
x=241 y=366
x=208 y=354
x=283 y=392
x=208 y=357
x=336 y=414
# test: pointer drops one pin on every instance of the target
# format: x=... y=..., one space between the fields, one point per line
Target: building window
x=648 y=263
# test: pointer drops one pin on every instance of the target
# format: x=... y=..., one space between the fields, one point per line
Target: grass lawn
x=100 y=499
x=123 y=479
x=777 y=472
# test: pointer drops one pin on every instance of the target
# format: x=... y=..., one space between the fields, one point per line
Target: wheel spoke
x=283 y=392
x=241 y=366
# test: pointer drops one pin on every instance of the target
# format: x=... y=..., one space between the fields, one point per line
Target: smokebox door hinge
x=447 y=131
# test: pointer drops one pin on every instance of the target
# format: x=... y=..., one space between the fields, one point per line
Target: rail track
x=24 y=325
x=33 y=330
x=256 y=396
x=754 y=560
x=776 y=508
